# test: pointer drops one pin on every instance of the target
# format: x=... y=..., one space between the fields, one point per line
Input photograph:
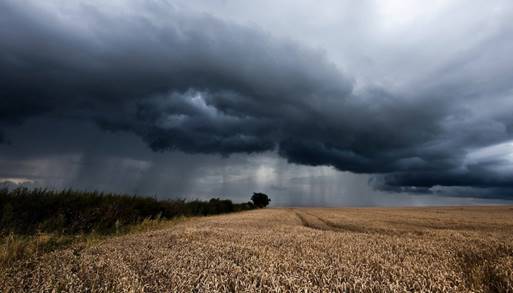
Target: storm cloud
x=201 y=82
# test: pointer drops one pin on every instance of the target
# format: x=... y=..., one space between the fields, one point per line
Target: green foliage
x=260 y=200
x=27 y=211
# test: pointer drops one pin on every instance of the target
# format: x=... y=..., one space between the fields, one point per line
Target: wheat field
x=449 y=249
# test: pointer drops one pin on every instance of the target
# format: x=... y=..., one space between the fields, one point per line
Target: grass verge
x=17 y=247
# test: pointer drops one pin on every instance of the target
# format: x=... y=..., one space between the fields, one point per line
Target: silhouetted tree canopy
x=260 y=200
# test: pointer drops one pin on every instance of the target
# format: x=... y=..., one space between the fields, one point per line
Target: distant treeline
x=26 y=211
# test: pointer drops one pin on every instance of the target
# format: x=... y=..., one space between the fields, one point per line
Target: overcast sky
x=326 y=103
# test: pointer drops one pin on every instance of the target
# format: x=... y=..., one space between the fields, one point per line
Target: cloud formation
x=186 y=80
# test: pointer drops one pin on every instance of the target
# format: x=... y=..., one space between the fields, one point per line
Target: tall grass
x=29 y=211
x=36 y=221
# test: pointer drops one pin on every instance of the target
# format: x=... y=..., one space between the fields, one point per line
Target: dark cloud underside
x=192 y=82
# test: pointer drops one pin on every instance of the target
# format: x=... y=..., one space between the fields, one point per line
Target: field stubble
x=449 y=249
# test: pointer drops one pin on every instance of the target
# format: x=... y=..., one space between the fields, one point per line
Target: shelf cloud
x=419 y=112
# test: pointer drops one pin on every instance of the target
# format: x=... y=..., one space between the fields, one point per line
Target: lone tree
x=260 y=200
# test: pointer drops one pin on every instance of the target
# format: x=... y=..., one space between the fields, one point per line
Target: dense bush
x=26 y=211
x=260 y=200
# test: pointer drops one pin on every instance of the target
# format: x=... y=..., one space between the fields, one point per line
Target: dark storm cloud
x=107 y=69
x=195 y=83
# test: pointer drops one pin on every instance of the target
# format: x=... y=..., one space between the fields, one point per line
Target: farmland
x=451 y=249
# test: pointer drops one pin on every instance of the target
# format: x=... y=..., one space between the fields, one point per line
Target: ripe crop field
x=450 y=249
